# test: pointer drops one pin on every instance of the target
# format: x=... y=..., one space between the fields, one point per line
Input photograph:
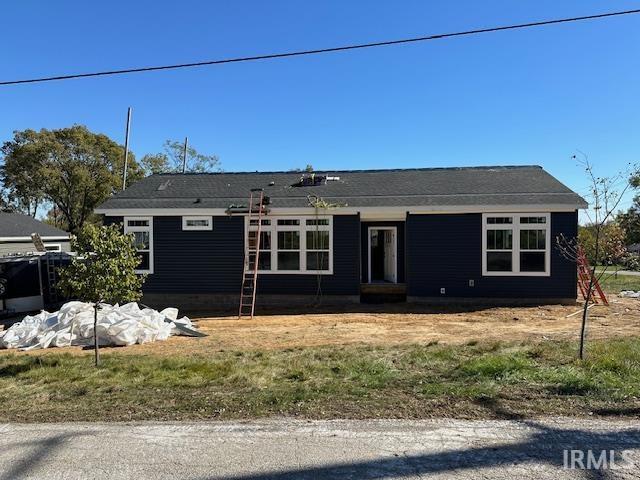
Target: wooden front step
x=383 y=288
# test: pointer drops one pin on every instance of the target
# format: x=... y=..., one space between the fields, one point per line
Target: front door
x=390 y=256
x=383 y=255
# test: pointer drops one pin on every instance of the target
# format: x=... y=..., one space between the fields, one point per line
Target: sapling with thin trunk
x=605 y=195
x=103 y=270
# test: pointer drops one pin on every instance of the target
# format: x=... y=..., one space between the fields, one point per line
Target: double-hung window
x=317 y=244
x=298 y=245
x=142 y=230
x=516 y=244
x=264 y=259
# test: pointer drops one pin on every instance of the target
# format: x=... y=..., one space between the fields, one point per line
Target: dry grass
x=378 y=361
x=477 y=380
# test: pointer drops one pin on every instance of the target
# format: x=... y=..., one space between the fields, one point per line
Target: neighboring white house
x=16 y=230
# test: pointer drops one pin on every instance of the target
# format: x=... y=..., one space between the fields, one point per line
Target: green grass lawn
x=617 y=283
x=480 y=380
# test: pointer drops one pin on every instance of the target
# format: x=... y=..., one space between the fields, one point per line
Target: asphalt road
x=289 y=449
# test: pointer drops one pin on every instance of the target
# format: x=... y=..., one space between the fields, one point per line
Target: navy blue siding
x=446 y=251
x=112 y=220
x=210 y=261
x=346 y=272
x=400 y=257
x=203 y=261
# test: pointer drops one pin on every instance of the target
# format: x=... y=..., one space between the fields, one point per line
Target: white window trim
x=57 y=245
x=194 y=217
x=516 y=226
x=303 y=228
x=128 y=229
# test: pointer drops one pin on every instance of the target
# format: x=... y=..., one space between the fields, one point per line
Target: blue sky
x=520 y=97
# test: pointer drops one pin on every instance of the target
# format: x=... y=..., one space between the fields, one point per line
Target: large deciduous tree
x=21 y=174
x=71 y=168
x=630 y=220
x=611 y=249
x=171 y=159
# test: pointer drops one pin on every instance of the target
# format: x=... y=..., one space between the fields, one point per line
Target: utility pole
x=184 y=155
x=126 y=150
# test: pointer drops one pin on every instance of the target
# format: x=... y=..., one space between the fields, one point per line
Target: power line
x=321 y=50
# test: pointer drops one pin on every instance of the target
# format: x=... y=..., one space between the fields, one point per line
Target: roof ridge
x=378 y=170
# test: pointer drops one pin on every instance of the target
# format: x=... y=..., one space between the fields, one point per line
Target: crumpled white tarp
x=630 y=294
x=73 y=325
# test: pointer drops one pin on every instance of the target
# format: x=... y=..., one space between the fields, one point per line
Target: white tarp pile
x=630 y=294
x=73 y=325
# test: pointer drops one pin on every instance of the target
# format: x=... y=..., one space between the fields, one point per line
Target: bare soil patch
x=396 y=324
x=399 y=324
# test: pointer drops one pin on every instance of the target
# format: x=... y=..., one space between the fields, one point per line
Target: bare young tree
x=605 y=195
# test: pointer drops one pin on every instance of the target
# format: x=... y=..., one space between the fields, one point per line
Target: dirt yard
x=395 y=324
x=402 y=324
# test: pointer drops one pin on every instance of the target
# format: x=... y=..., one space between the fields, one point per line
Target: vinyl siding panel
x=203 y=261
x=210 y=261
x=346 y=270
x=8 y=248
x=446 y=251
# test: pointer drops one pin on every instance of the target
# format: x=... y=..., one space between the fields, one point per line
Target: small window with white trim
x=52 y=247
x=516 y=244
x=142 y=231
x=197 y=223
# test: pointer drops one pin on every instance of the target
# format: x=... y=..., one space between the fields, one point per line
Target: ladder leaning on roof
x=53 y=262
x=585 y=280
x=251 y=254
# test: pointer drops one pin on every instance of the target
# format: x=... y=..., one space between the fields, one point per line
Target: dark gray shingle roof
x=19 y=225
x=510 y=185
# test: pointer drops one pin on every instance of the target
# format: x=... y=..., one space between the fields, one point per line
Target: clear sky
x=519 y=97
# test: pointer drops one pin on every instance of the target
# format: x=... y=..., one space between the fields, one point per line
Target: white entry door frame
x=389 y=262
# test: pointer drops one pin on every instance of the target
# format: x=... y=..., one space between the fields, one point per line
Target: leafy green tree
x=170 y=161
x=103 y=270
x=21 y=173
x=54 y=217
x=630 y=220
x=153 y=163
x=71 y=168
x=611 y=243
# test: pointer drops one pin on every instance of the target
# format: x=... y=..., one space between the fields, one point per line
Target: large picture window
x=142 y=230
x=299 y=245
x=516 y=244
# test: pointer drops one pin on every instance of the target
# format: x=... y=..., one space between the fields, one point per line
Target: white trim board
x=365 y=212
x=30 y=240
